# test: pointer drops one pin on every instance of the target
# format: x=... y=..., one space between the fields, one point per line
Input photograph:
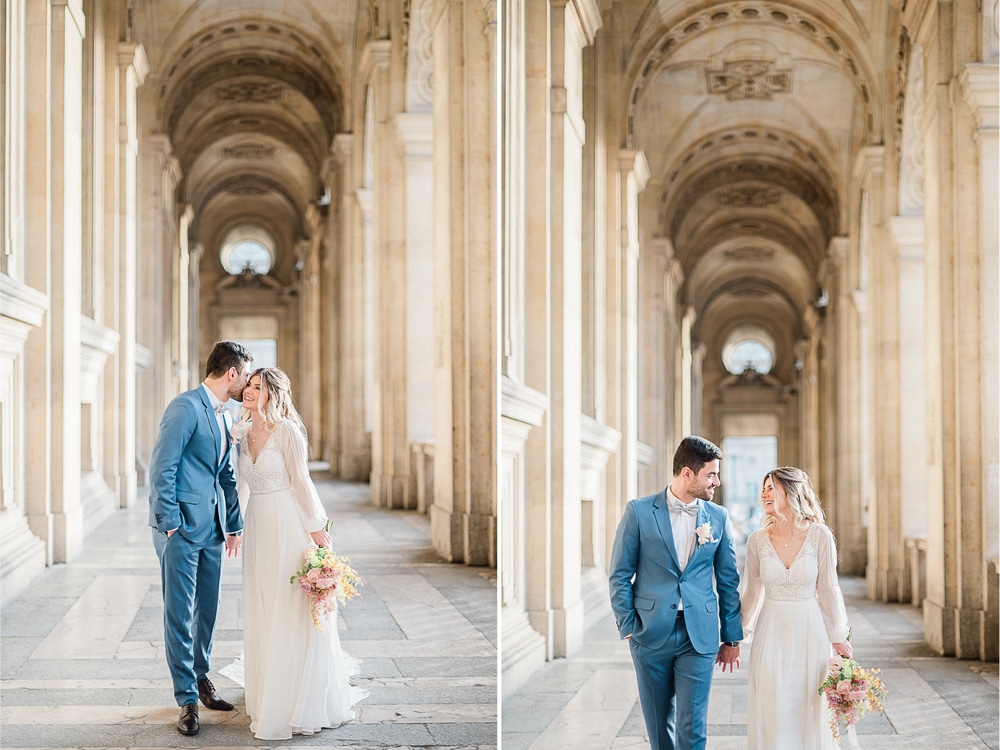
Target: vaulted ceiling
x=750 y=115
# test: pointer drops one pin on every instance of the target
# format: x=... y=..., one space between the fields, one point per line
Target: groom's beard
x=704 y=493
x=236 y=394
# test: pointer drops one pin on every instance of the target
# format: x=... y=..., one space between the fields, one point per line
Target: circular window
x=247 y=249
x=748 y=349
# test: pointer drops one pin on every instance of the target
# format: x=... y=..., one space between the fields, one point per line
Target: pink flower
x=326 y=583
x=704 y=533
x=835 y=664
x=844 y=687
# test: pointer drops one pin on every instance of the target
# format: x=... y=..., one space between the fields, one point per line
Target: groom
x=193 y=510
x=668 y=548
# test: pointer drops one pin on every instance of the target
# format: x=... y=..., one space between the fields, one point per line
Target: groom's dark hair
x=226 y=354
x=694 y=452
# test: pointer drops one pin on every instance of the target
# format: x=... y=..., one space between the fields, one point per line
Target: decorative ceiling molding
x=769 y=14
x=749 y=197
x=248 y=150
x=250 y=92
x=748 y=79
x=749 y=254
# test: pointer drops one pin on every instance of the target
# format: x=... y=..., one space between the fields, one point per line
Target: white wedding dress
x=792 y=617
x=296 y=677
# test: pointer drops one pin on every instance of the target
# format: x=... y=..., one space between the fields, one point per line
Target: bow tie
x=221 y=409
x=690 y=508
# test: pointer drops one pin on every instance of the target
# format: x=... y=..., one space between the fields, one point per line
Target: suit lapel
x=661 y=514
x=213 y=425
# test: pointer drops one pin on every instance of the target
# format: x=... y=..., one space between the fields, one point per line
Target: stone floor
x=591 y=701
x=82 y=664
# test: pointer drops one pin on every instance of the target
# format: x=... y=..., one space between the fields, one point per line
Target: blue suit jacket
x=646 y=581
x=193 y=487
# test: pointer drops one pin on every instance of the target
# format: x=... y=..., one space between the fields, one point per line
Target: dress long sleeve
x=751 y=586
x=307 y=502
x=831 y=600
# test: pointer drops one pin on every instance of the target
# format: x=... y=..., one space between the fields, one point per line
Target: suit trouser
x=674 y=683
x=191 y=576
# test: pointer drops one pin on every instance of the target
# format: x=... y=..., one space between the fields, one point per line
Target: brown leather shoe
x=210 y=698
x=187 y=722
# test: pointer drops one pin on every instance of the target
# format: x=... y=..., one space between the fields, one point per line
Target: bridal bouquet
x=326 y=578
x=851 y=691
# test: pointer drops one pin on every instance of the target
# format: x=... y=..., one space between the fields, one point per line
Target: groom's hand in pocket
x=728 y=656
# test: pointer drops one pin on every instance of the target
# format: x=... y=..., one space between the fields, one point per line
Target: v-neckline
x=797 y=552
x=253 y=458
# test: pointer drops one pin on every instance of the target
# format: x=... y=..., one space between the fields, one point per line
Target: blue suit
x=674 y=657
x=194 y=492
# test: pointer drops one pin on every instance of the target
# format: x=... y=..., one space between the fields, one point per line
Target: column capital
x=133 y=55
x=375 y=55
x=589 y=14
x=979 y=83
x=634 y=161
x=869 y=165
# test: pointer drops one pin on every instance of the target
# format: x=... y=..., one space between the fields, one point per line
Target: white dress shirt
x=220 y=419
x=683 y=525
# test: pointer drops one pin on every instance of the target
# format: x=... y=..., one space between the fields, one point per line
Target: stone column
x=807 y=354
x=573 y=26
x=685 y=377
x=347 y=343
x=37 y=261
x=532 y=265
x=979 y=84
x=633 y=173
x=65 y=74
x=958 y=252
x=463 y=515
x=390 y=450
x=416 y=133
x=523 y=489
x=307 y=387
x=655 y=385
x=910 y=424
x=843 y=475
x=132 y=70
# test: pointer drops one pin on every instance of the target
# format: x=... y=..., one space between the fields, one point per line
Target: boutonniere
x=704 y=533
x=239 y=430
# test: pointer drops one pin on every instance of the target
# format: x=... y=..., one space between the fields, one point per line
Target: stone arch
x=834 y=42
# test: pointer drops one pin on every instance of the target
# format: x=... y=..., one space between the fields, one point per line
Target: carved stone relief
x=911 y=158
x=255 y=92
x=749 y=254
x=749 y=79
x=248 y=150
x=749 y=197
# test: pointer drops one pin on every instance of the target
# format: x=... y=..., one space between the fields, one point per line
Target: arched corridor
x=765 y=223
x=313 y=179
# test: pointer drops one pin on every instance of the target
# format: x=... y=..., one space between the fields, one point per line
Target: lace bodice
x=812 y=576
x=799 y=580
x=268 y=473
x=281 y=467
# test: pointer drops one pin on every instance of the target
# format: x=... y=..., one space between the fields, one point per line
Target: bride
x=296 y=676
x=793 y=609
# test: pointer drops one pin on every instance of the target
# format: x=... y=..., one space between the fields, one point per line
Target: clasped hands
x=233 y=544
x=728 y=656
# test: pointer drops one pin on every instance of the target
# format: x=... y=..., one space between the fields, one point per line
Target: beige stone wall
x=819 y=175
x=337 y=132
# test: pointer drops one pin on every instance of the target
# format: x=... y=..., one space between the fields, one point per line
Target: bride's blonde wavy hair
x=799 y=494
x=279 y=405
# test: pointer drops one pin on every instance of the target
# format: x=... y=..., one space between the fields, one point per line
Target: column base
x=569 y=630
x=523 y=649
x=23 y=558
